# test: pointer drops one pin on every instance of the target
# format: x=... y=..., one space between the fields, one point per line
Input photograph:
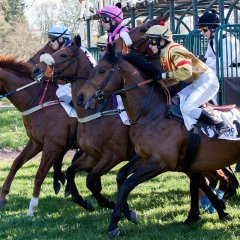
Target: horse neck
x=36 y=57
x=26 y=98
x=141 y=100
x=83 y=72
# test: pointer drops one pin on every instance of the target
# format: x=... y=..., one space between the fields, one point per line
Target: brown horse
x=105 y=141
x=50 y=129
x=163 y=143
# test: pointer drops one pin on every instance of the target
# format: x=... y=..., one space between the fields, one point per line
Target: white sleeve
x=210 y=58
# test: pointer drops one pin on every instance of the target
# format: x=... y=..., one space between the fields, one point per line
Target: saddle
x=175 y=109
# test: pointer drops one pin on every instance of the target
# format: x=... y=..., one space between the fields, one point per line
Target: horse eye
x=63 y=55
x=102 y=71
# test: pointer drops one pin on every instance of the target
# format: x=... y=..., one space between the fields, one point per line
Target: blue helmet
x=57 y=31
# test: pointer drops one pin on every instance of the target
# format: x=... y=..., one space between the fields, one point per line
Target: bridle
x=58 y=75
x=100 y=94
x=136 y=45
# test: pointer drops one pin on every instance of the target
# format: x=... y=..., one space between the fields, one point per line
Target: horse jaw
x=47 y=58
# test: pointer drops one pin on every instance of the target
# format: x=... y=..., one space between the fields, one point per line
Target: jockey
x=208 y=23
x=181 y=65
x=59 y=36
x=101 y=44
x=112 y=17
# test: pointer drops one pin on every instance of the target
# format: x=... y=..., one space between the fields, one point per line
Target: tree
x=14 y=11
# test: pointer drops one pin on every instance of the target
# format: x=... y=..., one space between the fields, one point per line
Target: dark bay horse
x=50 y=129
x=160 y=143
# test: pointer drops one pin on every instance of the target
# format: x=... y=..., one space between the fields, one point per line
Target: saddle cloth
x=231 y=118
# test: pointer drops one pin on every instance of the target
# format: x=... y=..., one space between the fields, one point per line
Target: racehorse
x=49 y=128
x=160 y=142
x=105 y=141
x=71 y=64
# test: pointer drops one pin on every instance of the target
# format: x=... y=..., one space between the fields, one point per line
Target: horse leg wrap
x=32 y=206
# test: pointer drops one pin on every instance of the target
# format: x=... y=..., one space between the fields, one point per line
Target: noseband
x=99 y=95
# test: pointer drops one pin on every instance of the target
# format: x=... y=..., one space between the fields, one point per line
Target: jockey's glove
x=157 y=77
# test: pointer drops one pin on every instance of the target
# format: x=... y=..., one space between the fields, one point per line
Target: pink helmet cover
x=113 y=12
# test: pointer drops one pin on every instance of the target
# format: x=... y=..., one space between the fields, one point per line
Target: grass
x=161 y=204
x=12 y=131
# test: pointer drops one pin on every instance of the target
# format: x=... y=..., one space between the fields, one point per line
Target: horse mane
x=139 y=60
x=19 y=66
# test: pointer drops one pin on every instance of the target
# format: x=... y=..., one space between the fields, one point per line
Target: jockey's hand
x=157 y=77
x=57 y=43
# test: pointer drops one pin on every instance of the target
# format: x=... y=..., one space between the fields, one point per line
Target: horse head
x=114 y=74
x=65 y=65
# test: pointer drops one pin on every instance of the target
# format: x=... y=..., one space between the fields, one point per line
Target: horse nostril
x=80 y=99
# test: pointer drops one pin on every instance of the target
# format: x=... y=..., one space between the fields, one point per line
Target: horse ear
x=161 y=17
x=77 y=41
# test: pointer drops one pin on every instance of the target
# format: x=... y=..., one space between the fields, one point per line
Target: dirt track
x=8 y=154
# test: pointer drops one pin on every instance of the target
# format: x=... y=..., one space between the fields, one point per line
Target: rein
x=99 y=95
x=18 y=89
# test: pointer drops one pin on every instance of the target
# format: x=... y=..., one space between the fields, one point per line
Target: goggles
x=204 y=29
x=101 y=48
x=153 y=42
x=106 y=19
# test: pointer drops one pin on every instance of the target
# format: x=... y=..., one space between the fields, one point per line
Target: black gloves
x=157 y=77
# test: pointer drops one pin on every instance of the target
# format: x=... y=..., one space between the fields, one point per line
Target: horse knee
x=89 y=182
x=70 y=173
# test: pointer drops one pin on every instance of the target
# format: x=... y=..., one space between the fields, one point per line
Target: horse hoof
x=62 y=178
x=67 y=193
x=111 y=205
x=56 y=187
x=2 y=203
x=30 y=213
x=133 y=217
x=226 y=217
x=191 y=220
x=89 y=206
x=114 y=233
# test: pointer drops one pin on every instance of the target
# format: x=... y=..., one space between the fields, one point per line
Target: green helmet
x=102 y=40
x=160 y=32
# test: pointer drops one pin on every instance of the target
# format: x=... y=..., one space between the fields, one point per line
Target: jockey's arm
x=182 y=69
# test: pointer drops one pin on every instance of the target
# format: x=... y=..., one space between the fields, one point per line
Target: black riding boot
x=206 y=117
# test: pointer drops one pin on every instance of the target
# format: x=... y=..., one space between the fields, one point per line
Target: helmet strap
x=113 y=25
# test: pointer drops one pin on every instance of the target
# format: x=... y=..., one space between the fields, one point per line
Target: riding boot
x=220 y=126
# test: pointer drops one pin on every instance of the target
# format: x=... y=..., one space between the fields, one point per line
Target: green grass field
x=162 y=204
x=12 y=131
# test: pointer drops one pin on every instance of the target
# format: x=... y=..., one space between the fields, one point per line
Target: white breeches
x=199 y=92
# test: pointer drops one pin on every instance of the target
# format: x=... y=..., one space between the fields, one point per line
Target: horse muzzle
x=38 y=74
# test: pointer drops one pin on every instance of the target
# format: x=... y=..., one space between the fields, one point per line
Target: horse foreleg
x=30 y=150
x=47 y=161
x=85 y=162
x=142 y=174
x=58 y=175
x=104 y=165
x=122 y=175
x=193 y=214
